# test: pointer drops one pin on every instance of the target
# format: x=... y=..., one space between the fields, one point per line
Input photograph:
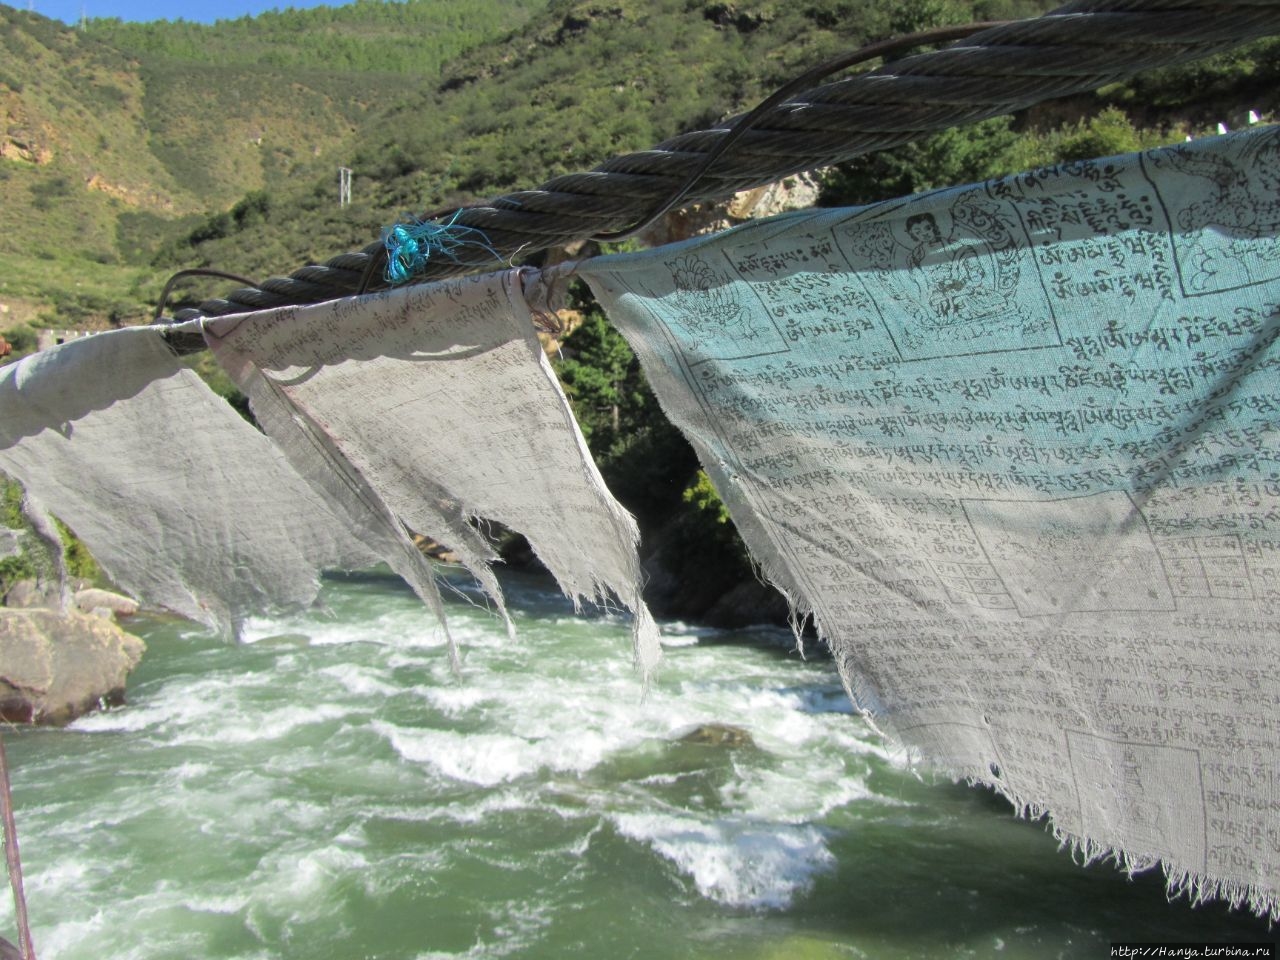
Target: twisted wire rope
x=1078 y=47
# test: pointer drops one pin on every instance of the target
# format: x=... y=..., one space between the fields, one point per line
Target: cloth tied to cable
x=180 y=501
x=439 y=400
x=1014 y=446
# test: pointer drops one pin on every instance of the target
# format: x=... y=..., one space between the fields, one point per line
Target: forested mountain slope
x=128 y=150
x=581 y=81
x=118 y=136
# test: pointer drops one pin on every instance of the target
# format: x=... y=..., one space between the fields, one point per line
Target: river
x=327 y=790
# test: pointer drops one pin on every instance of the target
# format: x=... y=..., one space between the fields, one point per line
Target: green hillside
x=119 y=137
x=130 y=150
x=579 y=82
x=584 y=80
x=412 y=38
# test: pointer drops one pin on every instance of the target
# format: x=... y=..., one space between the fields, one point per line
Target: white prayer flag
x=439 y=397
x=1014 y=445
x=184 y=504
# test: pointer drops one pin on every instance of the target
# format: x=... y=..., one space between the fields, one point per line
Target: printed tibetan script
x=1015 y=447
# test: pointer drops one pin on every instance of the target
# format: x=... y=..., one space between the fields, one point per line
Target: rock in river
x=53 y=667
x=718 y=735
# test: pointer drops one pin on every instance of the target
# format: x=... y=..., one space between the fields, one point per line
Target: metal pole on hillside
x=14 y=860
x=344 y=186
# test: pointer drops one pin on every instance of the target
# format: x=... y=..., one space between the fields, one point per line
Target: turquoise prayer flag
x=1013 y=446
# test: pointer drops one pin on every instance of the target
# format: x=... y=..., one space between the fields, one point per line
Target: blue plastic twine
x=411 y=245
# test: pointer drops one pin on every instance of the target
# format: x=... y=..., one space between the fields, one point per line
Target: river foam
x=735 y=862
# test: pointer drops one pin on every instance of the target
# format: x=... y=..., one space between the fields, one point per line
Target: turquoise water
x=328 y=790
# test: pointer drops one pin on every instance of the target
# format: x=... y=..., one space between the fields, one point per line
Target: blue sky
x=203 y=11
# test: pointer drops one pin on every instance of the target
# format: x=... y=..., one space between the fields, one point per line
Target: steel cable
x=1076 y=48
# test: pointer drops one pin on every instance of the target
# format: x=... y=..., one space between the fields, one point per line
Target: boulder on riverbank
x=105 y=603
x=55 y=667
